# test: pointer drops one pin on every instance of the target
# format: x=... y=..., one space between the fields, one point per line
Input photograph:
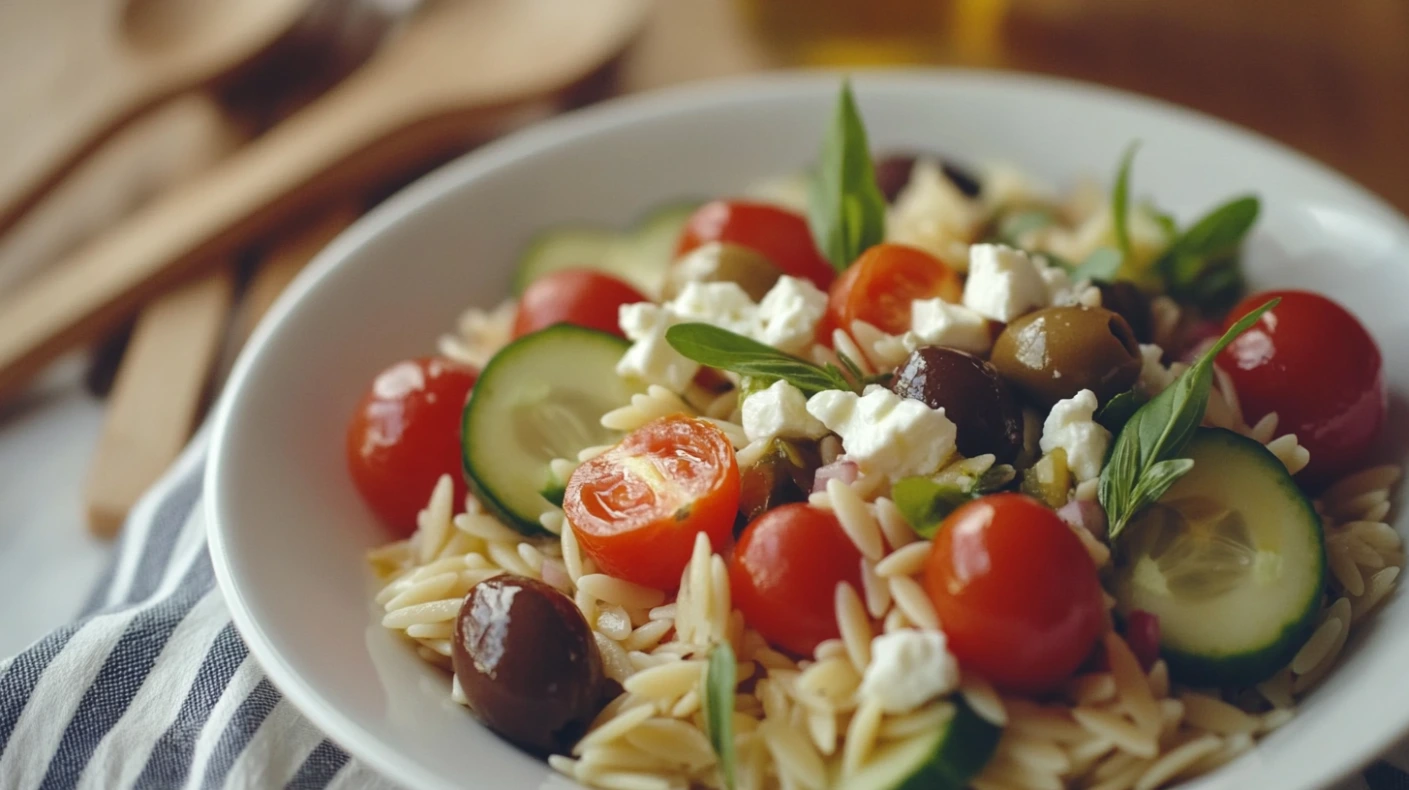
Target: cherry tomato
x=784 y=573
x=1312 y=362
x=780 y=235
x=637 y=508
x=879 y=287
x=574 y=296
x=1016 y=591
x=405 y=434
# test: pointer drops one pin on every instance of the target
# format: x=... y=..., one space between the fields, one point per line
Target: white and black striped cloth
x=152 y=687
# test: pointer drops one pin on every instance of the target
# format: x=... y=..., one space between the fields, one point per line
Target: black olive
x=973 y=396
x=528 y=663
x=1131 y=304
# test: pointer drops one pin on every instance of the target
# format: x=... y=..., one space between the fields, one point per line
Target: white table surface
x=48 y=558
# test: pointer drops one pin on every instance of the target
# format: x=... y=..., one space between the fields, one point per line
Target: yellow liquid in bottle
x=877 y=32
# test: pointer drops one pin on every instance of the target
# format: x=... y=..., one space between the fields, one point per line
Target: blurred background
x=167 y=166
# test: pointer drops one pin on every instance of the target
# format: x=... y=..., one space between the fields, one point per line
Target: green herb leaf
x=720 y=348
x=1118 y=410
x=846 y=210
x=1120 y=202
x=1221 y=229
x=718 y=704
x=852 y=369
x=925 y=503
x=1101 y=265
x=1014 y=226
x=1201 y=265
x=1144 y=462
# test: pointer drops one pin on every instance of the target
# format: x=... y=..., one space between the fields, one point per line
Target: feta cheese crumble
x=1154 y=376
x=1071 y=426
x=780 y=411
x=650 y=358
x=909 y=668
x=932 y=214
x=1004 y=283
x=789 y=314
x=935 y=322
x=885 y=433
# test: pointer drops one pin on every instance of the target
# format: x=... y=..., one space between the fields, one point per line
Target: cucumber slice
x=1231 y=560
x=945 y=758
x=640 y=256
x=541 y=397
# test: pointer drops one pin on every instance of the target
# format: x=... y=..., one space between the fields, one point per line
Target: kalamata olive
x=719 y=262
x=783 y=475
x=1057 y=352
x=527 y=662
x=1132 y=304
x=972 y=394
x=893 y=174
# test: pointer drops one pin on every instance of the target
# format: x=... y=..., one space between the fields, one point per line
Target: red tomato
x=574 y=296
x=784 y=573
x=879 y=287
x=1311 y=361
x=405 y=434
x=1016 y=591
x=779 y=235
x=637 y=508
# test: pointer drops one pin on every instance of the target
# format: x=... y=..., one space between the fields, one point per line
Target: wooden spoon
x=452 y=66
x=73 y=71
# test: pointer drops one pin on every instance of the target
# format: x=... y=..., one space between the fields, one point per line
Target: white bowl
x=288 y=532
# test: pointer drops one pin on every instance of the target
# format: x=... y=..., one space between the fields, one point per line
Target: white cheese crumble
x=1004 y=283
x=932 y=214
x=909 y=668
x=935 y=322
x=787 y=319
x=885 y=433
x=789 y=314
x=1154 y=376
x=1071 y=426
x=780 y=411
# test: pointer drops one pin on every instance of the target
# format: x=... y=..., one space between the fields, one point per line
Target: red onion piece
x=1085 y=514
x=845 y=471
x=1142 y=634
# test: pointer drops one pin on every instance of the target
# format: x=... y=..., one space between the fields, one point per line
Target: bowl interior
x=289 y=532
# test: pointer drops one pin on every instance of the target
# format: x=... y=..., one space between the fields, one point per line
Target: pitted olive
x=973 y=396
x=1051 y=354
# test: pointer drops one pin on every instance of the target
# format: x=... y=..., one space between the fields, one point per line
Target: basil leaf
x=718 y=704
x=1120 y=202
x=1221 y=229
x=1102 y=264
x=846 y=210
x=925 y=503
x=1201 y=265
x=720 y=348
x=1118 y=410
x=1140 y=468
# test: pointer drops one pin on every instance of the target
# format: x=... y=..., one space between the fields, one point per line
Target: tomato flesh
x=574 y=296
x=1312 y=362
x=779 y=235
x=637 y=508
x=1016 y=591
x=405 y=434
x=881 y=285
x=784 y=573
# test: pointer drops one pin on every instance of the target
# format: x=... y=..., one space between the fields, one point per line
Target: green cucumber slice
x=1231 y=560
x=945 y=758
x=640 y=256
x=541 y=397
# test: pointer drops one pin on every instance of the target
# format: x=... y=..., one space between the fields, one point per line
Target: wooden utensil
x=73 y=71
x=453 y=66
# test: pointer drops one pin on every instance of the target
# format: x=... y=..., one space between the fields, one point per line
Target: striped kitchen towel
x=152 y=687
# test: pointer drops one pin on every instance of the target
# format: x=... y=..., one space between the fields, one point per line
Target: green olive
x=1055 y=353
x=718 y=262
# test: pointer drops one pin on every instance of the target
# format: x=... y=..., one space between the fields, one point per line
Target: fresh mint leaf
x=846 y=210
x=1101 y=265
x=1120 y=202
x=719 y=348
x=1118 y=410
x=718 y=703
x=925 y=503
x=1144 y=462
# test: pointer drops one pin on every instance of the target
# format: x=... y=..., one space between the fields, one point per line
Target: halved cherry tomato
x=637 y=508
x=405 y=434
x=781 y=236
x=574 y=296
x=1312 y=362
x=1016 y=591
x=784 y=573
x=879 y=287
